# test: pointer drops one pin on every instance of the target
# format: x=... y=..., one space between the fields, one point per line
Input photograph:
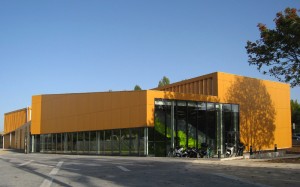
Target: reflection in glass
x=59 y=143
x=93 y=142
x=192 y=124
x=80 y=142
x=134 y=148
x=125 y=142
x=115 y=141
x=86 y=141
x=181 y=127
x=69 y=142
x=74 y=147
x=107 y=143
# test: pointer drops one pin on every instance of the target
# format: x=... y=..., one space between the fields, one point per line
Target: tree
x=137 y=87
x=164 y=81
x=295 y=110
x=278 y=50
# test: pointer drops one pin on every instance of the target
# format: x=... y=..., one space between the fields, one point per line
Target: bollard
x=251 y=153
x=219 y=153
x=275 y=148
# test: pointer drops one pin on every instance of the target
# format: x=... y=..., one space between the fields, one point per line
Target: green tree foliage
x=277 y=52
x=137 y=87
x=181 y=135
x=295 y=109
x=164 y=81
x=295 y=106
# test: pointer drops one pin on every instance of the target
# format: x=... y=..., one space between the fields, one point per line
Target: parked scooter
x=240 y=149
x=177 y=152
x=229 y=149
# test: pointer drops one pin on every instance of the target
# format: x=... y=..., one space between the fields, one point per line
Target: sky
x=71 y=46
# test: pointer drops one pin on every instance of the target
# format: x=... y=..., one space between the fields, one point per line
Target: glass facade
x=176 y=124
x=188 y=124
x=107 y=142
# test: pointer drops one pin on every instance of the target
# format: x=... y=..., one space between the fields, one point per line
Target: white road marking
x=123 y=168
x=47 y=182
x=25 y=163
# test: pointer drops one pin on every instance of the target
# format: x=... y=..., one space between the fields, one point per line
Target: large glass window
x=160 y=129
x=125 y=142
x=59 y=143
x=192 y=124
x=75 y=145
x=102 y=142
x=202 y=124
x=48 y=142
x=86 y=147
x=93 y=142
x=69 y=142
x=53 y=143
x=108 y=142
x=115 y=141
x=229 y=131
x=80 y=142
x=181 y=126
x=151 y=141
x=143 y=142
x=211 y=125
x=134 y=141
x=43 y=143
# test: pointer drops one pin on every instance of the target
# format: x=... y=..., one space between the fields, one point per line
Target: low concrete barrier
x=265 y=155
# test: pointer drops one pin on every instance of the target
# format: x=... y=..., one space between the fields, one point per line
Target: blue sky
x=89 y=46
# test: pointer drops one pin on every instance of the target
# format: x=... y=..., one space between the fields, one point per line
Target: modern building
x=1 y=140
x=216 y=108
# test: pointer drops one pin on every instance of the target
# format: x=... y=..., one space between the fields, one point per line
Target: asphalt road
x=18 y=169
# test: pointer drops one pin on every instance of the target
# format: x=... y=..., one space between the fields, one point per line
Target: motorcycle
x=240 y=149
x=192 y=152
x=177 y=152
x=204 y=150
x=229 y=149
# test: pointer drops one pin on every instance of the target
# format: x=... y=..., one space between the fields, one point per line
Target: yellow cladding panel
x=88 y=111
x=153 y=94
x=14 y=120
x=265 y=115
x=36 y=107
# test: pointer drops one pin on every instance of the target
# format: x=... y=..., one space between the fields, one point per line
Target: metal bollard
x=251 y=152
x=275 y=148
x=219 y=153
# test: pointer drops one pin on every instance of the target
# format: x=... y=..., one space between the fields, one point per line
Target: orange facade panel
x=265 y=115
x=88 y=111
x=15 y=119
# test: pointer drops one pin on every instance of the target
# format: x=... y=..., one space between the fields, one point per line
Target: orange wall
x=265 y=117
x=14 y=120
x=88 y=111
